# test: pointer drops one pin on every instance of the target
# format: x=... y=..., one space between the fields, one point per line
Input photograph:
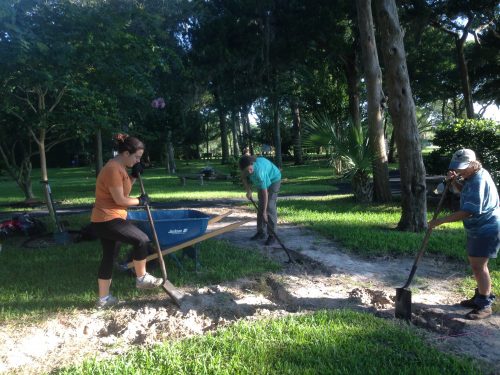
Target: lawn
x=35 y=284
x=76 y=186
x=326 y=342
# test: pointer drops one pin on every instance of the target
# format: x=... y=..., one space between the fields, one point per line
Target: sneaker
x=479 y=313
x=270 y=241
x=107 y=303
x=258 y=236
x=148 y=282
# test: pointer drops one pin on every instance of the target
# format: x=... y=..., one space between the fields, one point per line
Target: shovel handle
x=426 y=238
x=273 y=233
x=153 y=231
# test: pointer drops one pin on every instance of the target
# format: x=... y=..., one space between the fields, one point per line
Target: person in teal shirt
x=480 y=213
x=266 y=178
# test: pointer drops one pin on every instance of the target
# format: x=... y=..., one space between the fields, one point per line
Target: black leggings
x=112 y=234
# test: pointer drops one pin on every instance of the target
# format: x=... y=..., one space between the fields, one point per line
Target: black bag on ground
x=30 y=225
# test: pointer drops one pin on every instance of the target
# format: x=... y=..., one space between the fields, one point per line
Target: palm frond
x=346 y=142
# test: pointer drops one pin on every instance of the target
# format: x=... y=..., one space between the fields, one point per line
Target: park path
x=372 y=283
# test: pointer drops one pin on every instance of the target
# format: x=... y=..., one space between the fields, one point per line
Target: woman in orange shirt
x=109 y=218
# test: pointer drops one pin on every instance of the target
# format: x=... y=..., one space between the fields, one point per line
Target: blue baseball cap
x=462 y=158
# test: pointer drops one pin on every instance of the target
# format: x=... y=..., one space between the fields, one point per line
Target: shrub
x=482 y=136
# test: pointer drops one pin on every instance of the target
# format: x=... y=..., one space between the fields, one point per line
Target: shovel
x=403 y=295
x=271 y=231
x=167 y=285
x=61 y=236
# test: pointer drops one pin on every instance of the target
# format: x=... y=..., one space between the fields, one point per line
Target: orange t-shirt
x=113 y=174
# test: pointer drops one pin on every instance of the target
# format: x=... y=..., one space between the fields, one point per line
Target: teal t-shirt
x=479 y=196
x=264 y=173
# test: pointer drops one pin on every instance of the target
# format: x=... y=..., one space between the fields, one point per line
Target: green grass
x=333 y=342
x=368 y=229
x=76 y=186
x=35 y=283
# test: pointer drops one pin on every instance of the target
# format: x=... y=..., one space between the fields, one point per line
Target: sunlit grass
x=326 y=342
x=34 y=283
x=76 y=186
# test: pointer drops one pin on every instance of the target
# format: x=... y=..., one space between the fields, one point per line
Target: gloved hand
x=143 y=200
x=137 y=169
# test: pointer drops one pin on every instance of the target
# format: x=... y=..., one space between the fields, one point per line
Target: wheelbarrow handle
x=426 y=237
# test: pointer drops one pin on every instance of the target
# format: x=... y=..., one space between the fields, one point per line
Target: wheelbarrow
x=179 y=229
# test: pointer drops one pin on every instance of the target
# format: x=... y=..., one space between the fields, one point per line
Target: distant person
x=245 y=151
x=266 y=178
x=480 y=213
x=109 y=215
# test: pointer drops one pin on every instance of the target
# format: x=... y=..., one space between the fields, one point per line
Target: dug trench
x=325 y=276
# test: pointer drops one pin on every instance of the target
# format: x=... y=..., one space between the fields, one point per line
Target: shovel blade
x=403 y=304
x=173 y=292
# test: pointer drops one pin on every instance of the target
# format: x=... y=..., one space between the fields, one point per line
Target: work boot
x=270 y=241
x=258 y=236
x=483 y=309
x=107 y=302
x=479 y=313
x=148 y=282
x=469 y=303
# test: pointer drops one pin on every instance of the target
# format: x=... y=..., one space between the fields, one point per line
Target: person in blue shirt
x=266 y=178
x=480 y=213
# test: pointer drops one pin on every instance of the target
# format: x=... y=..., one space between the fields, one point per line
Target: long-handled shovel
x=403 y=295
x=61 y=235
x=271 y=231
x=175 y=294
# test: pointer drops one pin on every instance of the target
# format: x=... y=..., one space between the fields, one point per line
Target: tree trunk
x=402 y=110
x=44 y=179
x=278 y=159
x=21 y=173
x=43 y=159
x=464 y=77
x=222 y=126
x=392 y=147
x=170 y=162
x=456 y=110
x=24 y=180
x=98 y=151
x=376 y=98
x=297 y=132
x=352 y=78
x=206 y=136
x=236 y=125
x=443 y=111
x=247 y=130
x=223 y=136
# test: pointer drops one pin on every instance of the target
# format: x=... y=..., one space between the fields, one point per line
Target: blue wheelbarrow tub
x=172 y=226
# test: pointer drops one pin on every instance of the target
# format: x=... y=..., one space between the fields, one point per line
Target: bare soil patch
x=326 y=277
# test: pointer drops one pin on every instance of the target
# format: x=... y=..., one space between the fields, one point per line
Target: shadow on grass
x=65 y=277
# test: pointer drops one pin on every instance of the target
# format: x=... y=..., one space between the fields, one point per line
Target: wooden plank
x=203 y=237
x=215 y=219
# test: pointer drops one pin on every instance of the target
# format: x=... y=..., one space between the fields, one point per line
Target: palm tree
x=349 y=151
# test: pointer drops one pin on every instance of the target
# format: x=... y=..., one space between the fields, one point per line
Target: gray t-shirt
x=479 y=196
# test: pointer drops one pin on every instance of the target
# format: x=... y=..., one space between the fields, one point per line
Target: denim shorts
x=483 y=246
